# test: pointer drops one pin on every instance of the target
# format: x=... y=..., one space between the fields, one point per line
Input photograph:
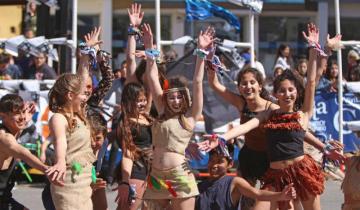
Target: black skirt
x=252 y=164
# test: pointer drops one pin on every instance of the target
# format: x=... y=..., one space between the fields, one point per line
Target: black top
x=215 y=195
x=142 y=136
x=142 y=139
x=285 y=136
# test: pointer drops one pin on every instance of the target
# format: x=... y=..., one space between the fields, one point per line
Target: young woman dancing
x=72 y=141
x=171 y=183
x=285 y=131
x=134 y=136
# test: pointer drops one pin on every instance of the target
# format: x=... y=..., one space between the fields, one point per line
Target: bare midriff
x=164 y=159
x=285 y=163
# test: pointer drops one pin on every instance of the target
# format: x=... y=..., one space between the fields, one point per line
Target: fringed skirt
x=306 y=176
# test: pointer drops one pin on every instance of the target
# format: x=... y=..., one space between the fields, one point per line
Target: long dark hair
x=299 y=85
x=259 y=78
x=281 y=48
x=130 y=94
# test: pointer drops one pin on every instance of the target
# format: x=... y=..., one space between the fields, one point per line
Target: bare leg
x=140 y=189
x=183 y=204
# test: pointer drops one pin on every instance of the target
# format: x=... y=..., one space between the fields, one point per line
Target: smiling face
x=249 y=87
x=78 y=101
x=15 y=120
x=175 y=101
x=218 y=166
x=334 y=70
x=97 y=140
x=141 y=103
x=286 y=94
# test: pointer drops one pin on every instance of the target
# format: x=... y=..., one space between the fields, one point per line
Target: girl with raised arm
x=285 y=129
x=170 y=182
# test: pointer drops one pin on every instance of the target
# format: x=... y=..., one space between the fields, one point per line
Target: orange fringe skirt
x=306 y=176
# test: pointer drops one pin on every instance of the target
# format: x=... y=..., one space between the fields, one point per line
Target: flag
x=203 y=9
x=255 y=5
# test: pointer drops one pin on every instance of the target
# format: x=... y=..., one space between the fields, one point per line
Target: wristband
x=327 y=149
x=200 y=53
x=133 y=30
x=152 y=54
x=317 y=47
x=91 y=51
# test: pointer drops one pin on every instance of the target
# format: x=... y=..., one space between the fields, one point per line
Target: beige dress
x=171 y=135
x=76 y=194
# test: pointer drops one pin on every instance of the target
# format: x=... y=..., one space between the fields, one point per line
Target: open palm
x=313 y=34
x=135 y=14
x=206 y=38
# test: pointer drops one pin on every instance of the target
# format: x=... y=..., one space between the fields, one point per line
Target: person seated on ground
x=7 y=70
x=14 y=114
x=225 y=192
x=40 y=70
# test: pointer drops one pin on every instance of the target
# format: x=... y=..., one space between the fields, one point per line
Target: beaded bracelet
x=317 y=47
x=152 y=54
x=327 y=149
x=133 y=30
x=200 y=53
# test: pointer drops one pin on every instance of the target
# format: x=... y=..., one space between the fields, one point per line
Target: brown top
x=79 y=146
x=171 y=135
x=256 y=138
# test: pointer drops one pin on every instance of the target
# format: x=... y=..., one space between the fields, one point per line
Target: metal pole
x=74 y=36
x=158 y=23
x=252 y=39
x=339 y=60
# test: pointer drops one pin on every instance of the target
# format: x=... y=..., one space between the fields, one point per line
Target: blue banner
x=203 y=9
x=325 y=118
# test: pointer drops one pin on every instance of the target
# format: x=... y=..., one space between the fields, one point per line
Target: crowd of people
x=153 y=125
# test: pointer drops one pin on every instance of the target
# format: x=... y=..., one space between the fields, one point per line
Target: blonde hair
x=57 y=97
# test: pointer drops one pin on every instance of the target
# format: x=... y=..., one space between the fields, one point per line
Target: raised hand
x=147 y=36
x=333 y=43
x=206 y=38
x=288 y=193
x=29 y=110
x=92 y=38
x=135 y=15
x=313 y=34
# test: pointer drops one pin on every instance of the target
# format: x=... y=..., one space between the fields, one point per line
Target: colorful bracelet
x=327 y=149
x=317 y=47
x=201 y=53
x=133 y=30
x=152 y=54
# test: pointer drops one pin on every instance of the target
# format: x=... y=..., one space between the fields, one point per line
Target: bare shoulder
x=273 y=106
x=6 y=139
x=58 y=119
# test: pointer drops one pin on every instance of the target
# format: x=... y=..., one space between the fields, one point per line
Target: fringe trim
x=284 y=122
x=305 y=174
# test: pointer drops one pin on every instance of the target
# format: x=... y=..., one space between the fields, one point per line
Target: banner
x=325 y=119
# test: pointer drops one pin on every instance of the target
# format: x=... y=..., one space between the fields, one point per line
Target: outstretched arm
x=312 y=38
x=205 y=41
x=241 y=186
x=226 y=94
x=12 y=148
x=152 y=72
x=135 y=16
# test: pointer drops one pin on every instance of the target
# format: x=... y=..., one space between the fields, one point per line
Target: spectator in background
x=117 y=87
x=278 y=70
x=301 y=67
x=29 y=33
x=355 y=74
x=353 y=59
x=7 y=70
x=283 y=57
x=331 y=74
x=30 y=17
x=40 y=70
x=170 y=55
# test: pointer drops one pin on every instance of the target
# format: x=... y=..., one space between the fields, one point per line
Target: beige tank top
x=170 y=134
x=79 y=146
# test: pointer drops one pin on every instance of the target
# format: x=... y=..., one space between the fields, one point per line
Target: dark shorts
x=10 y=204
x=252 y=164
